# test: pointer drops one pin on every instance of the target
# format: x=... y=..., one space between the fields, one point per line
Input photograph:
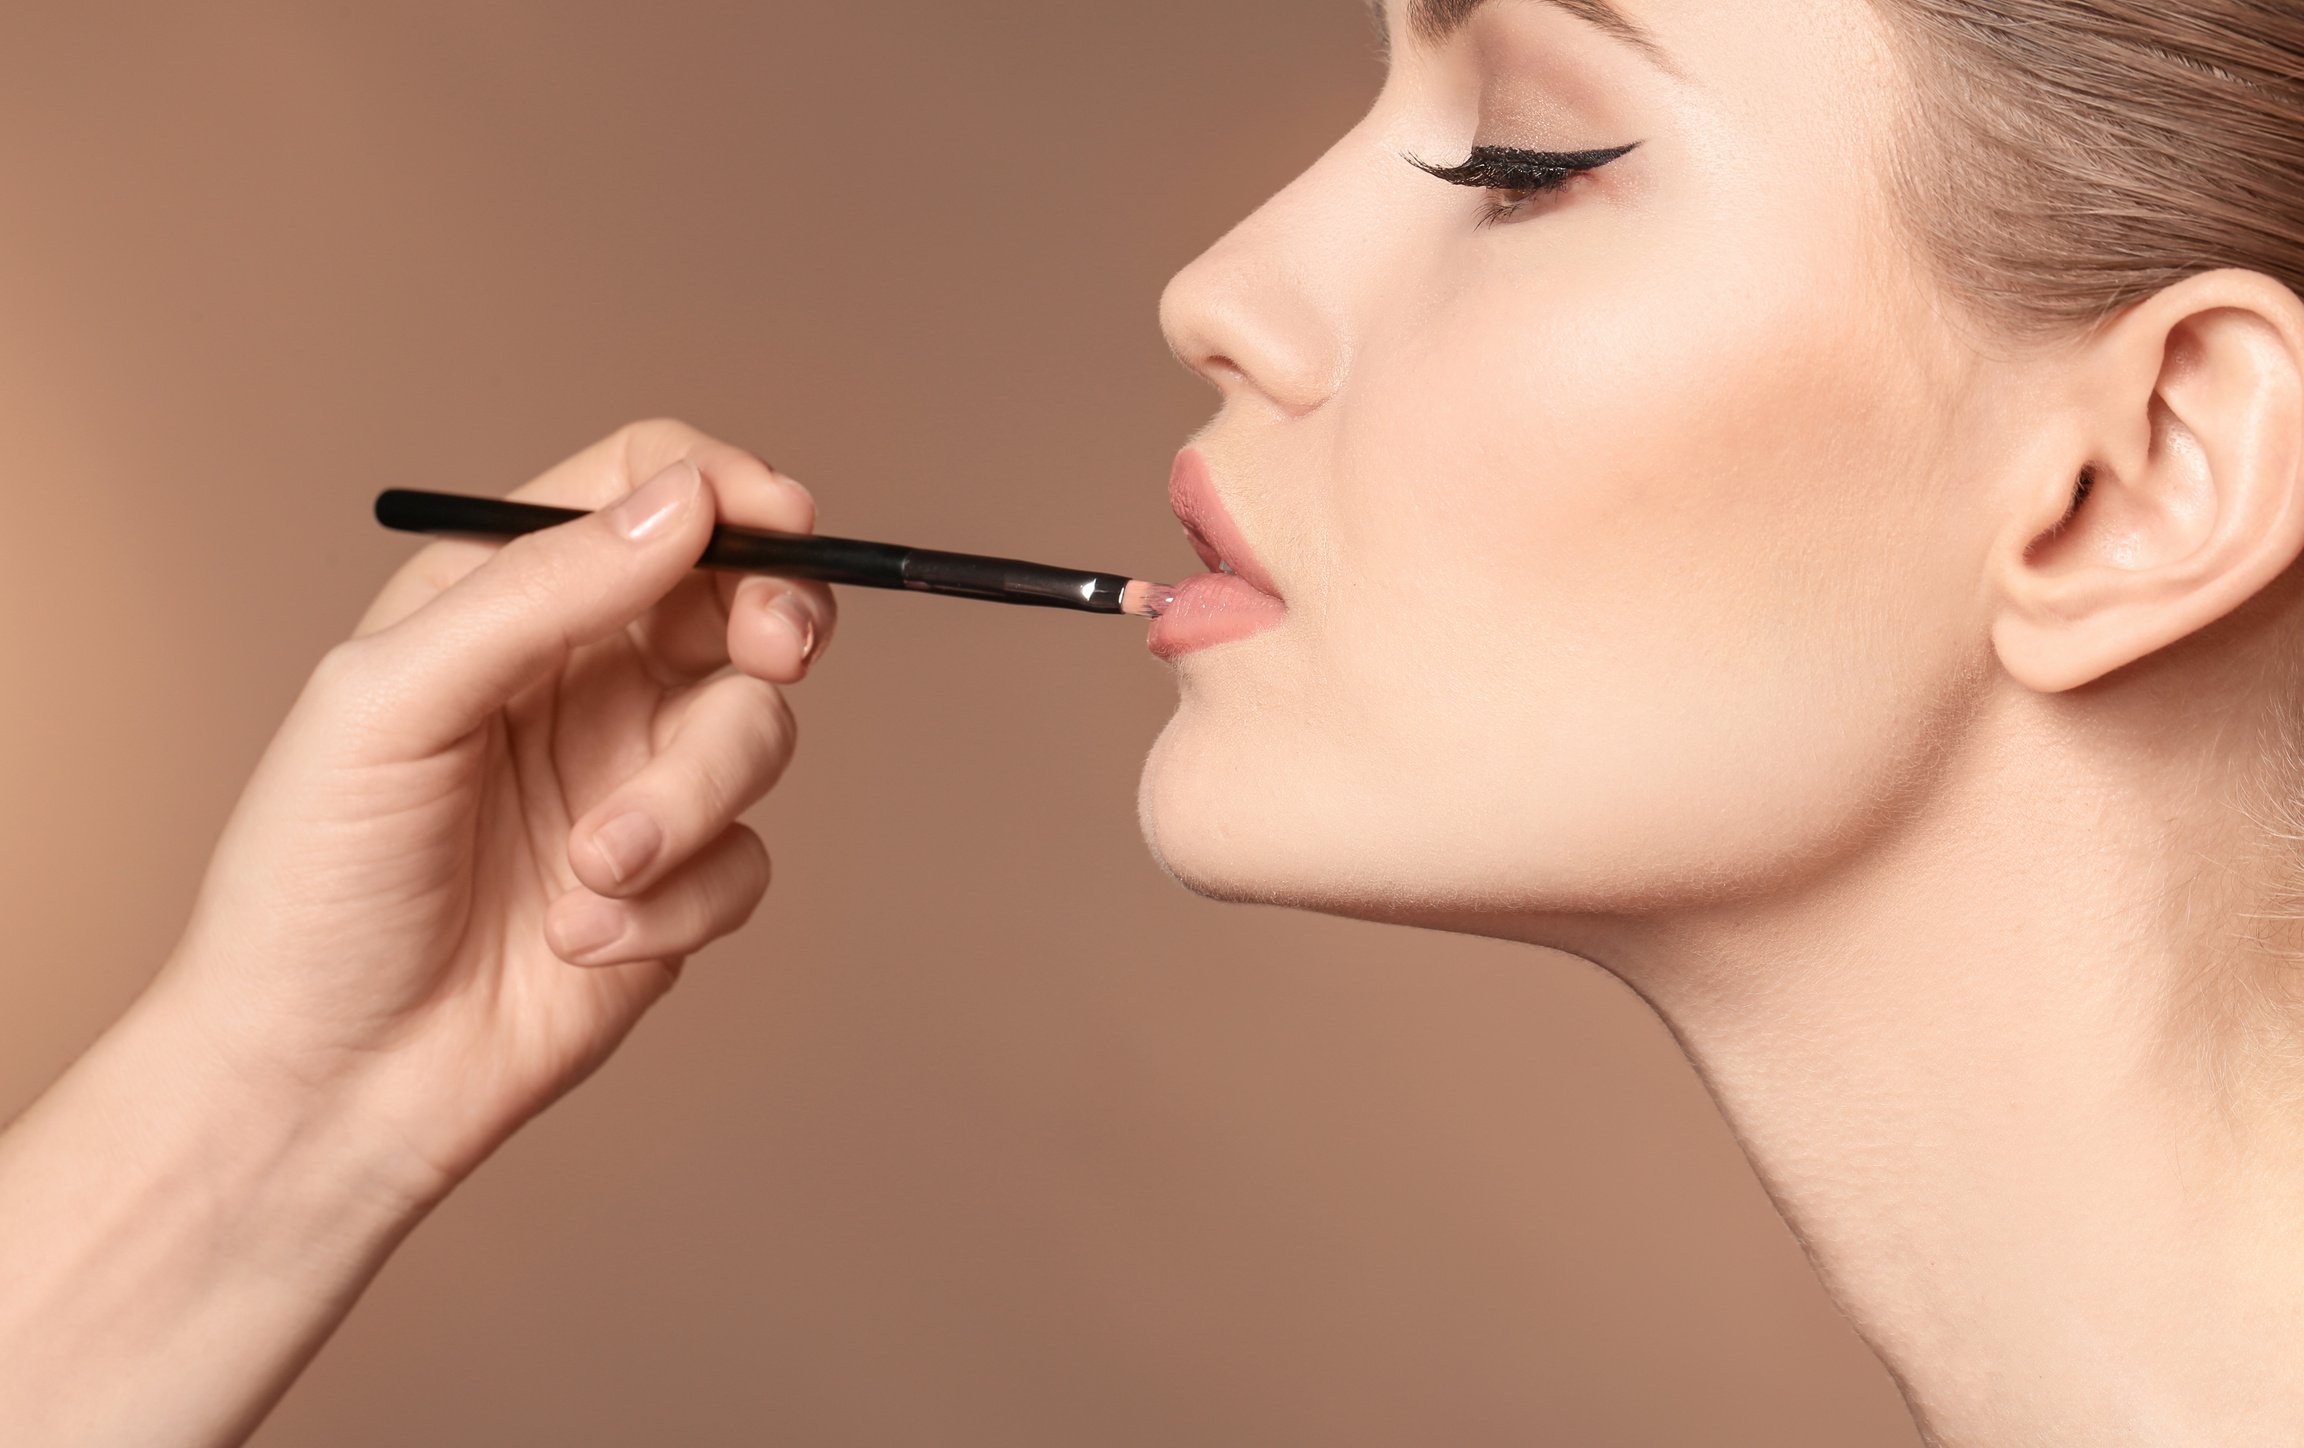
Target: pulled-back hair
x=2065 y=158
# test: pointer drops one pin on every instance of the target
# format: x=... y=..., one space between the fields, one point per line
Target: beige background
x=981 y=1132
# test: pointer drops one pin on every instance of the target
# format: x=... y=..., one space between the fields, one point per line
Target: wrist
x=178 y=1237
x=294 y=1155
x=370 y=1117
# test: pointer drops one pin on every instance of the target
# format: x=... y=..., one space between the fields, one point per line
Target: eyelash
x=1523 y=174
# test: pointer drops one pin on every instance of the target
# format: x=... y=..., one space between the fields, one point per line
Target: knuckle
x=655 y=431
x=752 y=853
x=702 y=778
x=640 y=448
x=344 y=665
x=755 y=871
x=536 y=570
x=720 y=894
x=773 y=730
x=754 y=727
x=525 y=559
x=749 y=908
x=347 y=680
x=697 y=920
x=786 y=723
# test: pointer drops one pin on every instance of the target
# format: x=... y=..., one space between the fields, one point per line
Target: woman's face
x=1631 y=543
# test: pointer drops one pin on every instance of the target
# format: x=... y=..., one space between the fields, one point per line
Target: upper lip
x=1214 y=536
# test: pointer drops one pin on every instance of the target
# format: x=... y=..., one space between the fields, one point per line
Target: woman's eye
x=1513 y=177
x=1505 y=201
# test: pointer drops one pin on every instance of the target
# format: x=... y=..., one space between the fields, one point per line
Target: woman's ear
x=2190 y=497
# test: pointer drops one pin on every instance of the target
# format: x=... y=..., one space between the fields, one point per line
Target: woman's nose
x=1261 y=312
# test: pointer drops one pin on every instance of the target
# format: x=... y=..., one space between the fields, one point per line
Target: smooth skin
x=1680 y=578
x=1677 y=579
x=381 y=978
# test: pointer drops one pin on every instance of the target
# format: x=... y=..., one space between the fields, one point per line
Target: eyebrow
x=1433 y=21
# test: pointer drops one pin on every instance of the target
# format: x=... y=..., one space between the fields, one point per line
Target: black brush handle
x=786 y=555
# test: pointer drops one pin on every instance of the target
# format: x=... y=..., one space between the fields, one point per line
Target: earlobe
x=2189 y=499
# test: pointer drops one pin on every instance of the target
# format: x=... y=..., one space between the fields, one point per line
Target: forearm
x=176 y=1242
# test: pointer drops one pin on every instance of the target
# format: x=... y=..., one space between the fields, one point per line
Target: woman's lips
x=1212 y=609
x=1215 y=607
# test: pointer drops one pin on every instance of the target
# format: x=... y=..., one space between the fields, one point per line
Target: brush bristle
x=1147 y=600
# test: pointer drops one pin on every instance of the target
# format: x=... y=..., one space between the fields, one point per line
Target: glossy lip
x=1214 y=536
x=1219 y=606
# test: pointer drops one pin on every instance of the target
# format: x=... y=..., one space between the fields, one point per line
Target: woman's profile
x=1796 y=504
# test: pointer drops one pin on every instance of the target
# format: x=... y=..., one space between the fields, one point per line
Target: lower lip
x=1212 y=609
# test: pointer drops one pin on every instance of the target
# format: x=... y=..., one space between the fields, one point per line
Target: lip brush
x=809 y=555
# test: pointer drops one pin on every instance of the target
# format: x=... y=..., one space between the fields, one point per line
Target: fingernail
x=627 y=843
x=788 y=607
x=591 y=926
x=645 y=512
x=793 y=486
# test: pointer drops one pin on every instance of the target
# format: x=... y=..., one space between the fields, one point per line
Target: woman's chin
x=1205 y=836
x=1232 y=846
x=1231 y=827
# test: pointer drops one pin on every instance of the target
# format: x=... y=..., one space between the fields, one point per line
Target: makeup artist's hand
x=529 y=754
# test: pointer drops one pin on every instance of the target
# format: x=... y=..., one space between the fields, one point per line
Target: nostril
x=1223 y=371
x=1244 y=319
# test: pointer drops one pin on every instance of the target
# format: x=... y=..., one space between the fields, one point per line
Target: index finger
x=689 y=634
x=746 y=489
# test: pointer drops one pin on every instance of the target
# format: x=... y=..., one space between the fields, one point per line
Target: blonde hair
x=2058 y=161
x=2065 y=158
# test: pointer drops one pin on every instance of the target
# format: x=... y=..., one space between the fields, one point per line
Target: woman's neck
x=1991 y=1075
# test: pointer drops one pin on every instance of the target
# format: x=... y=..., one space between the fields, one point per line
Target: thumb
x=542 y=595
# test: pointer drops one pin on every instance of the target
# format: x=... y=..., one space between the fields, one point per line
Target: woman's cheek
x=1606 y=575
